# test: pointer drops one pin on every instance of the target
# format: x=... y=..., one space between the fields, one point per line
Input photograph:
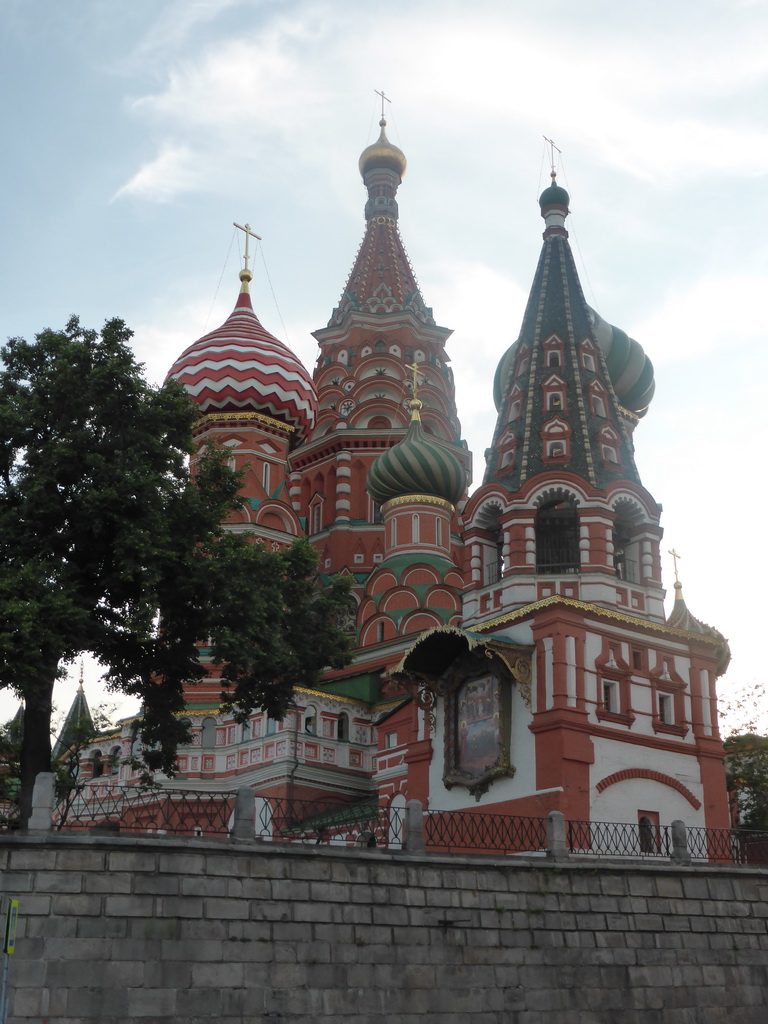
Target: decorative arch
x=651 y=776
x=556 y=494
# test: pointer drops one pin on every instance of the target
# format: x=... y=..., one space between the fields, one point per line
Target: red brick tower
x=363 y=382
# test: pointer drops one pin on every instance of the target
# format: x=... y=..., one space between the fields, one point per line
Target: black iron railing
x=728 y=845
x=325 y=823
x=469 y=831
x=366 y=824
x=618 y=839
x=152 y=810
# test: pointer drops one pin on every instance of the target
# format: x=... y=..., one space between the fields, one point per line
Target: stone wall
x=154 y=929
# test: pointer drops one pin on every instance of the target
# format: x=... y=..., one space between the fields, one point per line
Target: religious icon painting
x=477 y=691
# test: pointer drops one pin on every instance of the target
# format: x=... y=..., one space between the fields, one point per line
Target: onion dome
x=240 y=367
x=555 y=195
x=416 y=465
x=630 y=369
x=382 y=153
x=681 y=618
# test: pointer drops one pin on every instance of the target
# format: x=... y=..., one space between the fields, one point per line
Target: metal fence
x=728 y=845
x=618 y=839
x=152 y=810
x=366 y=824
x=334 y=824
x=472 y=831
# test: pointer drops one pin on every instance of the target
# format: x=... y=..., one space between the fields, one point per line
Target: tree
x=108 y=546
x=746 y=771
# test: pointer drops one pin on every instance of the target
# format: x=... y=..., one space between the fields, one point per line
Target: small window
x=666 y=709
x=310 y=721
x=637 y=660
x=647 y=830
x=588 y=362
x=598 y=406
x=265 y=477
x=358 y=558
x=271 y=726
x=390 y=740
x=415 y=529
x=209 y=732
x=379 y=632
x=610 y=697
x=342 y=729
x=554 y=400
x=554 y=359
x=114 y=761
x=98 y=764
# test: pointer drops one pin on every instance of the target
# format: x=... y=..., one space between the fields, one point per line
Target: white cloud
x=714 y=312
x=172 y=171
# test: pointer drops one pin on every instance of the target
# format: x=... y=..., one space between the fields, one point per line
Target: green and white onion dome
x=416 y=465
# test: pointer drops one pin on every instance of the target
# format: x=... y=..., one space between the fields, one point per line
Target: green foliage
x=108 y=546
x=746 y=770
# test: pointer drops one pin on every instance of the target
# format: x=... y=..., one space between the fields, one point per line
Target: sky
x=135 y=134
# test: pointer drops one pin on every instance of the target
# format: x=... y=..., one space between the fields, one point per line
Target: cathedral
x=511 y=648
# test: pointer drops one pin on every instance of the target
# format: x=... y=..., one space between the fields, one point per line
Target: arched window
x=342 y=728
x=415 y=529
x=310 y=720
x=114 y=761
x=553 y=359
x=209 y=732
x=380 y=346
x=557 y=537
x=265 y=477
x=98 y=764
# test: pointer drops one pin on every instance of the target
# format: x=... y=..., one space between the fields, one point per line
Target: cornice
x=593 y=609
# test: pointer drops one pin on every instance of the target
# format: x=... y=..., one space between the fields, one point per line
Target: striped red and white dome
x=241 y=367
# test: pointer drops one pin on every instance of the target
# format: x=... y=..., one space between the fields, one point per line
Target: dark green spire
x=77 y=725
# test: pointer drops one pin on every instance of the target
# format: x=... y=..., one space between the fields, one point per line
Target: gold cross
x=383 y=99
x=248 y=234
x=552 y=148
x=675 y=556
x=415 y=368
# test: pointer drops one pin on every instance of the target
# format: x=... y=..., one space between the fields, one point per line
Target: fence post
x=413 y=827
x=243 y=825
x=557 y=848
x=680 y=854
x=41 y=819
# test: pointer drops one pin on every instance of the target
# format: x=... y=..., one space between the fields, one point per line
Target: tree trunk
x=35 y=746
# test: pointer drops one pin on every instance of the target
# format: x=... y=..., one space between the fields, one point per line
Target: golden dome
x=382 y=153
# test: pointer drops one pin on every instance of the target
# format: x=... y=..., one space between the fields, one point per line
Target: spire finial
x=384 y=99
x=80 y=685
x=675 y=557
x=415 y=404
x=248 y=235
x=552 y=148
